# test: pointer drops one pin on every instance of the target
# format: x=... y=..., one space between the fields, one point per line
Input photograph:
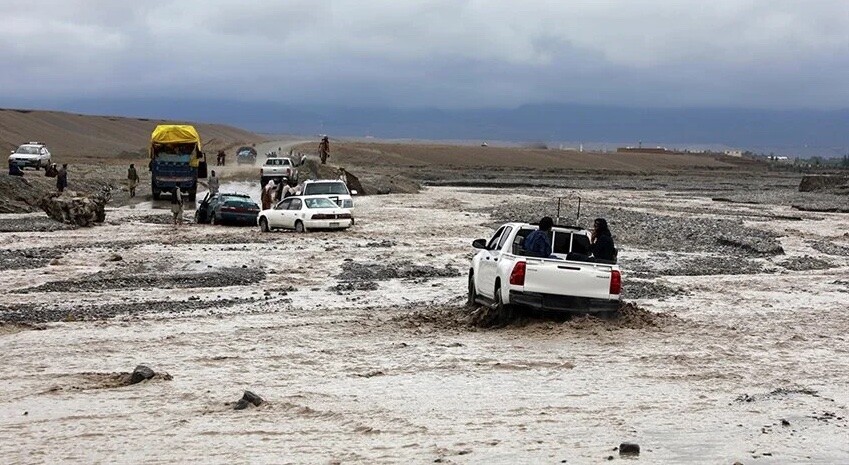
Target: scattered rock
x=805 y=263
x=115 y=258
x=248 y=398
x=69 y=208
x=629 y=448
x=104 y=281
x=141 y=373
x=784 y=422
x=358 y=271
x=758 y=245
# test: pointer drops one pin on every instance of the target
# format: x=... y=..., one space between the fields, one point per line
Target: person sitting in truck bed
x=602 y=246
x=538 y=243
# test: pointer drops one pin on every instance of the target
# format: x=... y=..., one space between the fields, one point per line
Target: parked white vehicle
x=502 y=275
x=303 y=213
x=279 y=169
x=33 y=154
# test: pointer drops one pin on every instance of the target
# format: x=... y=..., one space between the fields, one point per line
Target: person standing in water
x=132 y=179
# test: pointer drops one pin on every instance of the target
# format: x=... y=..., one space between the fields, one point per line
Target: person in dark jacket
x=601 y=245
x=538 y=243
x=62 y=178
x=14 y=169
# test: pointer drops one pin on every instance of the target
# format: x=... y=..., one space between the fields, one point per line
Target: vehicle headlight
x=348 y=203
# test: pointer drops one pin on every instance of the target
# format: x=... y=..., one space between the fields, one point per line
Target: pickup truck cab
x=34 y=154
x=335 y=189
x=279 y=169
x=504 y=275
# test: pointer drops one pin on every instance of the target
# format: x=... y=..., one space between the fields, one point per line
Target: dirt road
x=357 y=342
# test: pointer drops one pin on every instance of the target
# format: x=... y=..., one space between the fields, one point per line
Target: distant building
x=734 y=153
x=657 y=150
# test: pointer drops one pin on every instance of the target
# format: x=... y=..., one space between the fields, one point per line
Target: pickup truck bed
x=502 y=275
x=279 y=169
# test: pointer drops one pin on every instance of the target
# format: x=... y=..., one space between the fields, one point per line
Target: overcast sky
x=442 y=53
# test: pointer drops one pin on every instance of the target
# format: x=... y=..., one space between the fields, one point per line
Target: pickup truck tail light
x=615 y=282
x=517 y=276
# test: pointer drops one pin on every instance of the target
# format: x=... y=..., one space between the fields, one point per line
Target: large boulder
x=68 y=207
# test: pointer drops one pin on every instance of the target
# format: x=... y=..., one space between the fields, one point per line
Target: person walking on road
x=324 y=149
x=132 y=179
x=177 y=206
x=213 y=183
x=62 y=178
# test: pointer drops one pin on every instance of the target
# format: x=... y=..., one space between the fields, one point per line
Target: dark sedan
x=227 y=209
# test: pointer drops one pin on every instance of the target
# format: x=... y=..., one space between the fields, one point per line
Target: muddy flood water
x=359 y=343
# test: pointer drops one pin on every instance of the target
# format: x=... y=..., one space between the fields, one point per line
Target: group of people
x=52 y=171
x=274 y=192
x=538 y=243
x=221 y=159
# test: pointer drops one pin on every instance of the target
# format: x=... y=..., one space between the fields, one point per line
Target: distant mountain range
x=796 y=132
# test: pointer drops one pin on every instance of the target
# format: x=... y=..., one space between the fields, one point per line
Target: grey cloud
x=447 y=53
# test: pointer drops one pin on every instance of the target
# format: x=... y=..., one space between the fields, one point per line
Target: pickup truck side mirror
x=11 y=151
x=479 y=243
x=353 y=192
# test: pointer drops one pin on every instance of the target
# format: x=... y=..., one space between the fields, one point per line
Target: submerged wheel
x=299 y=227
x=503 y=312
x=471 y=301
x=212 y=219
x=263 y=225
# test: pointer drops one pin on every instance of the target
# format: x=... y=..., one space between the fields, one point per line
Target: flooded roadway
x=747 y=368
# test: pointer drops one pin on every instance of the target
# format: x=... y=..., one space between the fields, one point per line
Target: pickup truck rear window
x=565 y=243
x=562 y=242
x=580 y=244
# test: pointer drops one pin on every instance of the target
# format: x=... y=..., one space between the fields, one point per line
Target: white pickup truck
x=503 y=275
x=279 y=169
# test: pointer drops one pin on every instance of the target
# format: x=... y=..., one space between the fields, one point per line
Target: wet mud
x=361 y=347
x=104 y=281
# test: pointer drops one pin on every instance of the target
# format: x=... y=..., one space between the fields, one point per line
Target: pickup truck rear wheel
x=473 y=292
x=503 y=312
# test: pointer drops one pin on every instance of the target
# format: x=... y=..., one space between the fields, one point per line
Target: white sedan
x=305 y=212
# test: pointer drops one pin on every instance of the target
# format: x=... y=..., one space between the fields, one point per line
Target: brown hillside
x=82 y=136
x=455 y=156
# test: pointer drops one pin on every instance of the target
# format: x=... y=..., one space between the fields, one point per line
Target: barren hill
x=499 y=158
x=73 y=135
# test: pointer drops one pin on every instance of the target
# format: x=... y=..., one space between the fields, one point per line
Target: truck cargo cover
x=175 y=134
